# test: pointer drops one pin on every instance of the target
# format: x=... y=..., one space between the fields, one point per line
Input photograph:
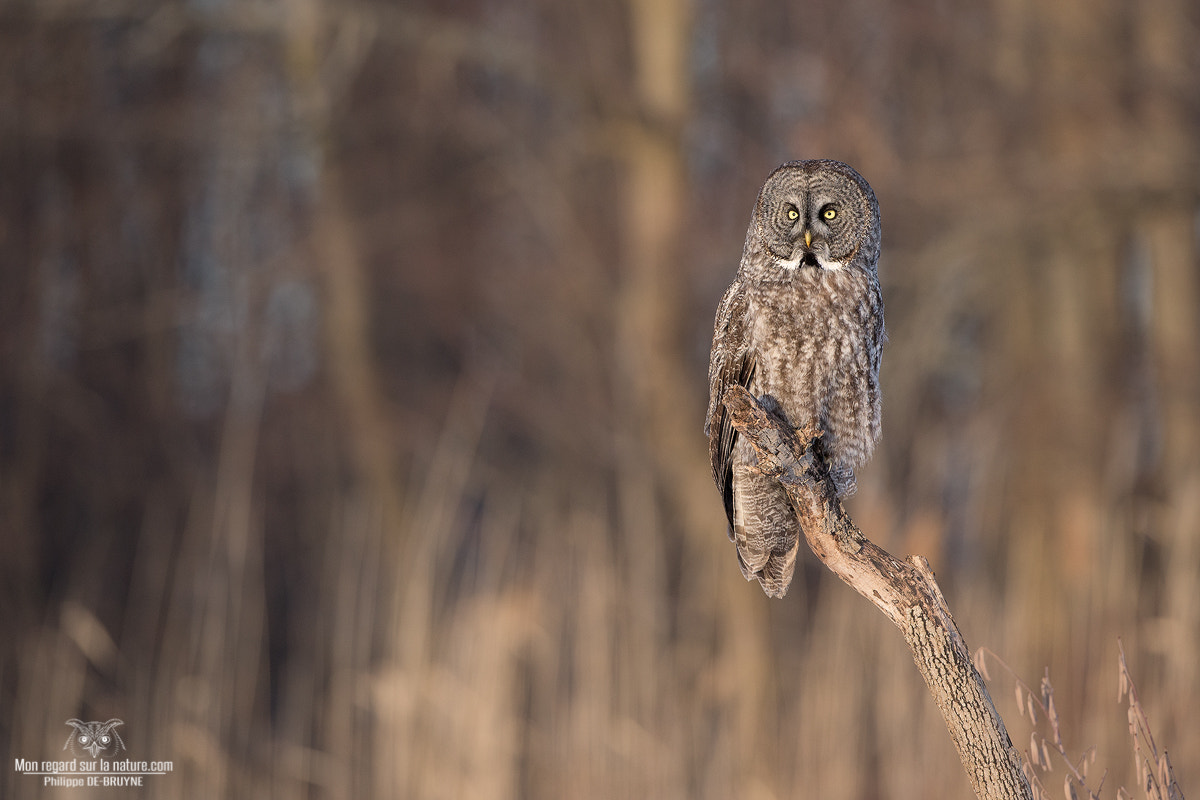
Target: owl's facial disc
x=803 y=229
x=814 y=214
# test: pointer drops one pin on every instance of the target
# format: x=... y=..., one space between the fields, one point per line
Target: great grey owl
x=801 y=327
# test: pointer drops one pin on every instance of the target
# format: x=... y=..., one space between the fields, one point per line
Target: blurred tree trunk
x=668 y=408
x=649 y=309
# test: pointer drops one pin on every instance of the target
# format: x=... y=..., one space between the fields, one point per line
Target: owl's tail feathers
x=775 y=576
x=765 y=530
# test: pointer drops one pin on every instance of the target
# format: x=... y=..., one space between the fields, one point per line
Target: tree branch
x=905 y=591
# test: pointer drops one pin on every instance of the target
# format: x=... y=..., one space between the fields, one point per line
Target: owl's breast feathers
x=791 y=339
x=808 y=333
x=812 y=345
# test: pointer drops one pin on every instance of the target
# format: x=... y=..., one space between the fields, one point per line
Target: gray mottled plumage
x=801 y=327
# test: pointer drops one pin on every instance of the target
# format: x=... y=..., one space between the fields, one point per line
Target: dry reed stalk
x=1155 y=774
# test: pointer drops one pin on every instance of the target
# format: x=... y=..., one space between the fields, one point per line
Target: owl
x=801 y=327
x=95 y=737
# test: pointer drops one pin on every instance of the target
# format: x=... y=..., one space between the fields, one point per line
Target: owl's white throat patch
x=809 y=259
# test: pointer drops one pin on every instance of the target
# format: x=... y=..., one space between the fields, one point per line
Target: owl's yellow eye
x=829 y=213
x=793 y=213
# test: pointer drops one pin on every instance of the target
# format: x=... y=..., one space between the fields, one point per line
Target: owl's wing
x=730 y=362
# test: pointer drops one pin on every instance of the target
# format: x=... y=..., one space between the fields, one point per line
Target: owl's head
x=817 y=214
x=95 y=737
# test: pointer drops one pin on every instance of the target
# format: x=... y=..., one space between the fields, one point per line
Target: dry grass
x=1155 y=775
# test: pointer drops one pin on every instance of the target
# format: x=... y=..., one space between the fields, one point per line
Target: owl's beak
x=807 y=238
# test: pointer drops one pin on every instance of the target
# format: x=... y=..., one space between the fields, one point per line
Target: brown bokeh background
x=352 y=374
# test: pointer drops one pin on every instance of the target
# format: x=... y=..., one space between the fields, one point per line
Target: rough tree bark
x=905 y=591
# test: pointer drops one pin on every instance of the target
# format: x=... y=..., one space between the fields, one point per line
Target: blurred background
x=352 y=379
